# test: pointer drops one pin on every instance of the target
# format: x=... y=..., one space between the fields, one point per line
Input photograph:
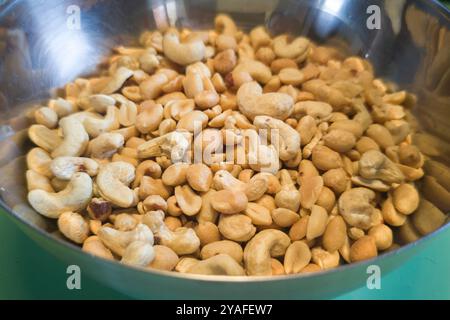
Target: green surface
x=28 y=272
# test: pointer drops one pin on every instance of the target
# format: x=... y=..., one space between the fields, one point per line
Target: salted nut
x=113 y=180
x=74 y=197
x=230 y=153
x=252 y=102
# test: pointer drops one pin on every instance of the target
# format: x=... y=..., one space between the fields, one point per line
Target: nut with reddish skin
x=99 y=209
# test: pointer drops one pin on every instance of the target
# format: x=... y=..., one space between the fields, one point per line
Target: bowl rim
x=444 y=12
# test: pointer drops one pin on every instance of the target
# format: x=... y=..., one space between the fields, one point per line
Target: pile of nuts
x=116 y=158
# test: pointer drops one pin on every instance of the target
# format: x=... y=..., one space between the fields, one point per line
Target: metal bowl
x=45 y=44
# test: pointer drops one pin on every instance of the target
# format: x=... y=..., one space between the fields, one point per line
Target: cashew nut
x=287 y=139
x=253 y=189
x=73 y=198
x=221 y=264
x=297 y=49
x=113 y=180
x=39 y=161
x=105 y=145
x=228 y=247
x=73 y=226
x=118 y=241
x=259 y=251
x=252 y=102
x=116 y=82
x=182 y=53
x=139 y=254
x=236 y=227
x=182 y=240
x=96 y=127
x=174 y=145
x=288 y=197
x=75 y=139
x=257 y=70
x=375 y=165
x=356 y=208
x=65 y=167
x=44 y=137
x=95 y=246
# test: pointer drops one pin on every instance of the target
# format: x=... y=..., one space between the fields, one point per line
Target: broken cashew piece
x=74 y=197
x=117 y=80
x=254 y=189
x=174 y=145
x=118 y=241
x=75 y=139
x=252 y=102
x=287 y=139
x=356 y=208
x=375 y=165
x=113 y=180
x=182 y=240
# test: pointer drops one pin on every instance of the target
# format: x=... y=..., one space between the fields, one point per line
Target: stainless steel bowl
x=42 y=46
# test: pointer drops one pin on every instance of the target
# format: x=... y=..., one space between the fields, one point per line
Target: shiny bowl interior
x=40 y=50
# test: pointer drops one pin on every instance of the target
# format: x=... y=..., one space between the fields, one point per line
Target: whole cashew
x=182 y=53
x=113 y=180
x=37 y=181
x=65 y=167
x=356 y=208
x=75 y=139
x=287 y=138
x=256 y=69
x=95 y=127
x=118 y=241
x=297 y=49
x=73 y=198
x=39 y=161
x=44 y=137
x=182 y=240
x=221 y=264
x=259 y=251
